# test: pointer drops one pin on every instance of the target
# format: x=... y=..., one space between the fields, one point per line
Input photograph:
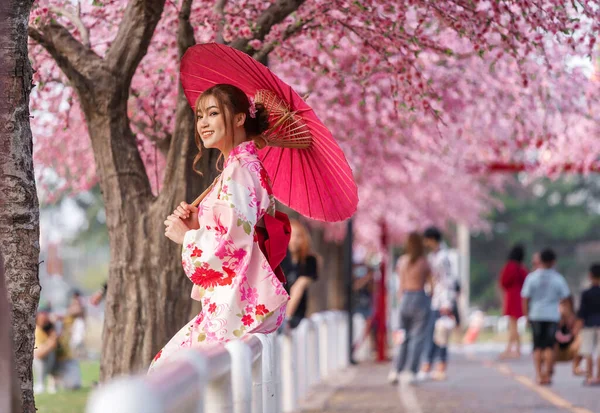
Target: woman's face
x=211 y=125
x=296 y=239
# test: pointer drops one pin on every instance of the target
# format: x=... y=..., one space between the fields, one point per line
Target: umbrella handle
x=206 y=191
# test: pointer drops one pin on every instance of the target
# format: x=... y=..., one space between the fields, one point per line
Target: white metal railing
x=260 y=373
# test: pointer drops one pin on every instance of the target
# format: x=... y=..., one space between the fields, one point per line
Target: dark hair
x=231 y=100
x=547 y=256
x=414 y=247
x=433 y=233
x=517 y=253
x=595 y=270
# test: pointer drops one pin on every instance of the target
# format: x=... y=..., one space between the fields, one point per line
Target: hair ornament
x=252 y=109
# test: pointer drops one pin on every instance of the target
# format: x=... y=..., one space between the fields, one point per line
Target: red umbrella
x=308 y=169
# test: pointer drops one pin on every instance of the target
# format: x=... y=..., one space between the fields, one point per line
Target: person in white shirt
x=442 y=301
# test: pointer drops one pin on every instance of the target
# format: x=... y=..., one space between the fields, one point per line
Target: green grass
x=70 y=401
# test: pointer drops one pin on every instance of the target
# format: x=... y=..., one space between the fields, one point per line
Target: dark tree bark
x=19 y=209
x=148 y=296
x=328 y=291
x=10 y=389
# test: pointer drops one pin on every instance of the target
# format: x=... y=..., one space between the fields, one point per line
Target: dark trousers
x=414 y=314
x=432 y=350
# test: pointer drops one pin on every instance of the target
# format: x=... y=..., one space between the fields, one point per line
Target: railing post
x=323 y=338
x=241 y=376
x=198 y=363
x=342 y=331
x=363 y=351
x=302 y=357
x=312 y=354
x=270 y=375
x=257 y=377
x=332 y=339
x=219 y=395
x=289 y=371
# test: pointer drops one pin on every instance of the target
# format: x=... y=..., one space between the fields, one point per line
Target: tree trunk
x=19 y=209
x=10 y=390
x=328 y=291
x=148 y=298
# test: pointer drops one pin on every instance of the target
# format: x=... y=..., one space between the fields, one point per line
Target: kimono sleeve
x=213 y=255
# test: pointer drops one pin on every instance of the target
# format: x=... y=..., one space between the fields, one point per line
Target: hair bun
x=262 y=118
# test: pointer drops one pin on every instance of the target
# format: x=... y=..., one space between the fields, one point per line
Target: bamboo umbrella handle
x=206 y=191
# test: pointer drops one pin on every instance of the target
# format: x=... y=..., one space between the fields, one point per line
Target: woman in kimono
x=223 y=239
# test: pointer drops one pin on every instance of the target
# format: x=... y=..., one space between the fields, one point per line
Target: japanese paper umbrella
x=308 y=169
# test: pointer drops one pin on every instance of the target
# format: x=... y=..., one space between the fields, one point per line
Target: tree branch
x=77 y=22
x=291 y=30
x=77 y=61
x=134 y=35
x=220 y=9
x=185 y=31
x=274 y=14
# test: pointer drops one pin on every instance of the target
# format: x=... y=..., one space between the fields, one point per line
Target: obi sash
x=273 y=239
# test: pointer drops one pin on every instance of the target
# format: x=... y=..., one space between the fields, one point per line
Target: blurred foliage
x=563 y=214
x=95 y=232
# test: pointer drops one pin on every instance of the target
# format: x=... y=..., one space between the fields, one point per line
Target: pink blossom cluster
x=419 y=93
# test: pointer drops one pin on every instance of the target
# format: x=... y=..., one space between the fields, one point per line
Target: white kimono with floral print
x=232 y=278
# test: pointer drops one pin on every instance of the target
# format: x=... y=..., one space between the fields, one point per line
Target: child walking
x=542 y=292
x=589 y=324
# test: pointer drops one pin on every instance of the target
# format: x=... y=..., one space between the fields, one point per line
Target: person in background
x=74 y=325
x=53 y=365
x=455 y=309
x=363 y=286
x=300 y=269
x=588 y=324
x=536 y=262
x=44 y=353
x=442 y=301
x=542 y=293
x=512 y=278
x=414 y=273
x=99 y=295
x=567 y=342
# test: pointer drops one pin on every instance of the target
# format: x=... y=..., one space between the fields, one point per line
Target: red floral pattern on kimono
x=239 y=292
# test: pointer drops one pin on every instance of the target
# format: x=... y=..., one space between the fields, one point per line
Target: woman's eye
x=213 y=113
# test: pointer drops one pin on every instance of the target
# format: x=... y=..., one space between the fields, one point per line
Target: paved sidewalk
x=476 y=384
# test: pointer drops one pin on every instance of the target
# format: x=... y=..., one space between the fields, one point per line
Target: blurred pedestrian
x=589 y=325
x=567 y=338
x=512 y=278
x=363 y=286
x=542 y=293
x=74 y=325
x=536 y=262
x=44 y=353
x=300 y=267
x=99 y=295
x=414 y=273
x=442 y=302
x=53 y=366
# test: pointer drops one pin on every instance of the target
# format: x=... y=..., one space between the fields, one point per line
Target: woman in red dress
x=511 y=281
